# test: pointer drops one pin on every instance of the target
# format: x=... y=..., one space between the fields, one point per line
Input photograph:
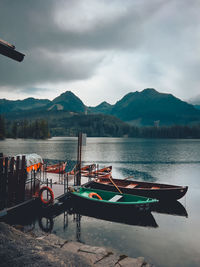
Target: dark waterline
x=174 y=238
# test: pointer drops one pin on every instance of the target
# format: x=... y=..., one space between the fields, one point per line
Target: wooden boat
x=90 y=171
x=107 y=199
x=105 y=172
x=88 y=168
x=146 y=189
x=56 y=168
x=84 y=170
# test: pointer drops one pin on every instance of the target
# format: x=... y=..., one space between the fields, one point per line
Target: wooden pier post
x=2 y=192
x=78 y=169
x=81 y=142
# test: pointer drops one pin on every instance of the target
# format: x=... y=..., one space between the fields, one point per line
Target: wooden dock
x=12 y=181
x=19 y=187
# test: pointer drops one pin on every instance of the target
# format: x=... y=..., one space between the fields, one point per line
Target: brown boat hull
x=56 y=168
x=151 y=190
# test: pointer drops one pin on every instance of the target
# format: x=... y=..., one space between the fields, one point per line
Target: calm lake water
x=176 y=239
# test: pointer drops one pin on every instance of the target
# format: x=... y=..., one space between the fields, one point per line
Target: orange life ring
x=95 y=194
x=44 y=188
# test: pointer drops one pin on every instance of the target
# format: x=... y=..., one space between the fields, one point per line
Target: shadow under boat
x=136 y=217
x=172 y=208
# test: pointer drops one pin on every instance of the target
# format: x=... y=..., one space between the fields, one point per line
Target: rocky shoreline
x=25 y=249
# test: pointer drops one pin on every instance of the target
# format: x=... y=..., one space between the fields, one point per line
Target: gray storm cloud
x=156 y=42
x=41 y=67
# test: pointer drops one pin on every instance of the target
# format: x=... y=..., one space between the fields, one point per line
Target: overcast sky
x=100 y=49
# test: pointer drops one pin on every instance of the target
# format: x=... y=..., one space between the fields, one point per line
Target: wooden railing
x=13 y=177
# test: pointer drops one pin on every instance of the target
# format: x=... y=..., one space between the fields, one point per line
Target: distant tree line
x=2 y=127
x=108 y=126
x=93 y=126
x=37 y=129
x=175 y=131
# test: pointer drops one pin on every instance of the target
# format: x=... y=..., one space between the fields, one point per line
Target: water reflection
x=45 y=216
x=171 y=208
x=167 y=161
x=138 y=175
x=46 y=224
x=139 y=218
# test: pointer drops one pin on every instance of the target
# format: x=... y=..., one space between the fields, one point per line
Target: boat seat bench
x=115 y=198
x=131 y=186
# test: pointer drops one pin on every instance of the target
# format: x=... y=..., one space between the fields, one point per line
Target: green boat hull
x=110 y=199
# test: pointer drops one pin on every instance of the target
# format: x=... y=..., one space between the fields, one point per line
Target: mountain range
x=136 y=108
x=148 y=106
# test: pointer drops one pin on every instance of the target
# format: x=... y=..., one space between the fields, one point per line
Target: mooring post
x=34 y=182
x=1 y=184
x=65 y=223
x=81 y=142
x=59 y=172
x=67 y=182
x=11 y=186
x=17 y=180
x=78 y=227
x=64 y=185
x=47 y=190
x=90 y=173
x=23 y=179
x=75 y=176
x=97 y=168
x=78 y=169
x=43 y=171
x=31 y=183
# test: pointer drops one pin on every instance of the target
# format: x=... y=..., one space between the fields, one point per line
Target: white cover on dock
x=31 y=159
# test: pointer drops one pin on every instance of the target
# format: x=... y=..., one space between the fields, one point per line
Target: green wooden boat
x=102 y=199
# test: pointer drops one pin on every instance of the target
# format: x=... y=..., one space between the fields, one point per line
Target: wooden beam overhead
x=8 y=50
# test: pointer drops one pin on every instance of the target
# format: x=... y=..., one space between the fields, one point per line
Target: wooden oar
x=115 y=185
x=127 y=178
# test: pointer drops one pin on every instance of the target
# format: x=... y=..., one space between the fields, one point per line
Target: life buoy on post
x=92 y=194
x=48 y=189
